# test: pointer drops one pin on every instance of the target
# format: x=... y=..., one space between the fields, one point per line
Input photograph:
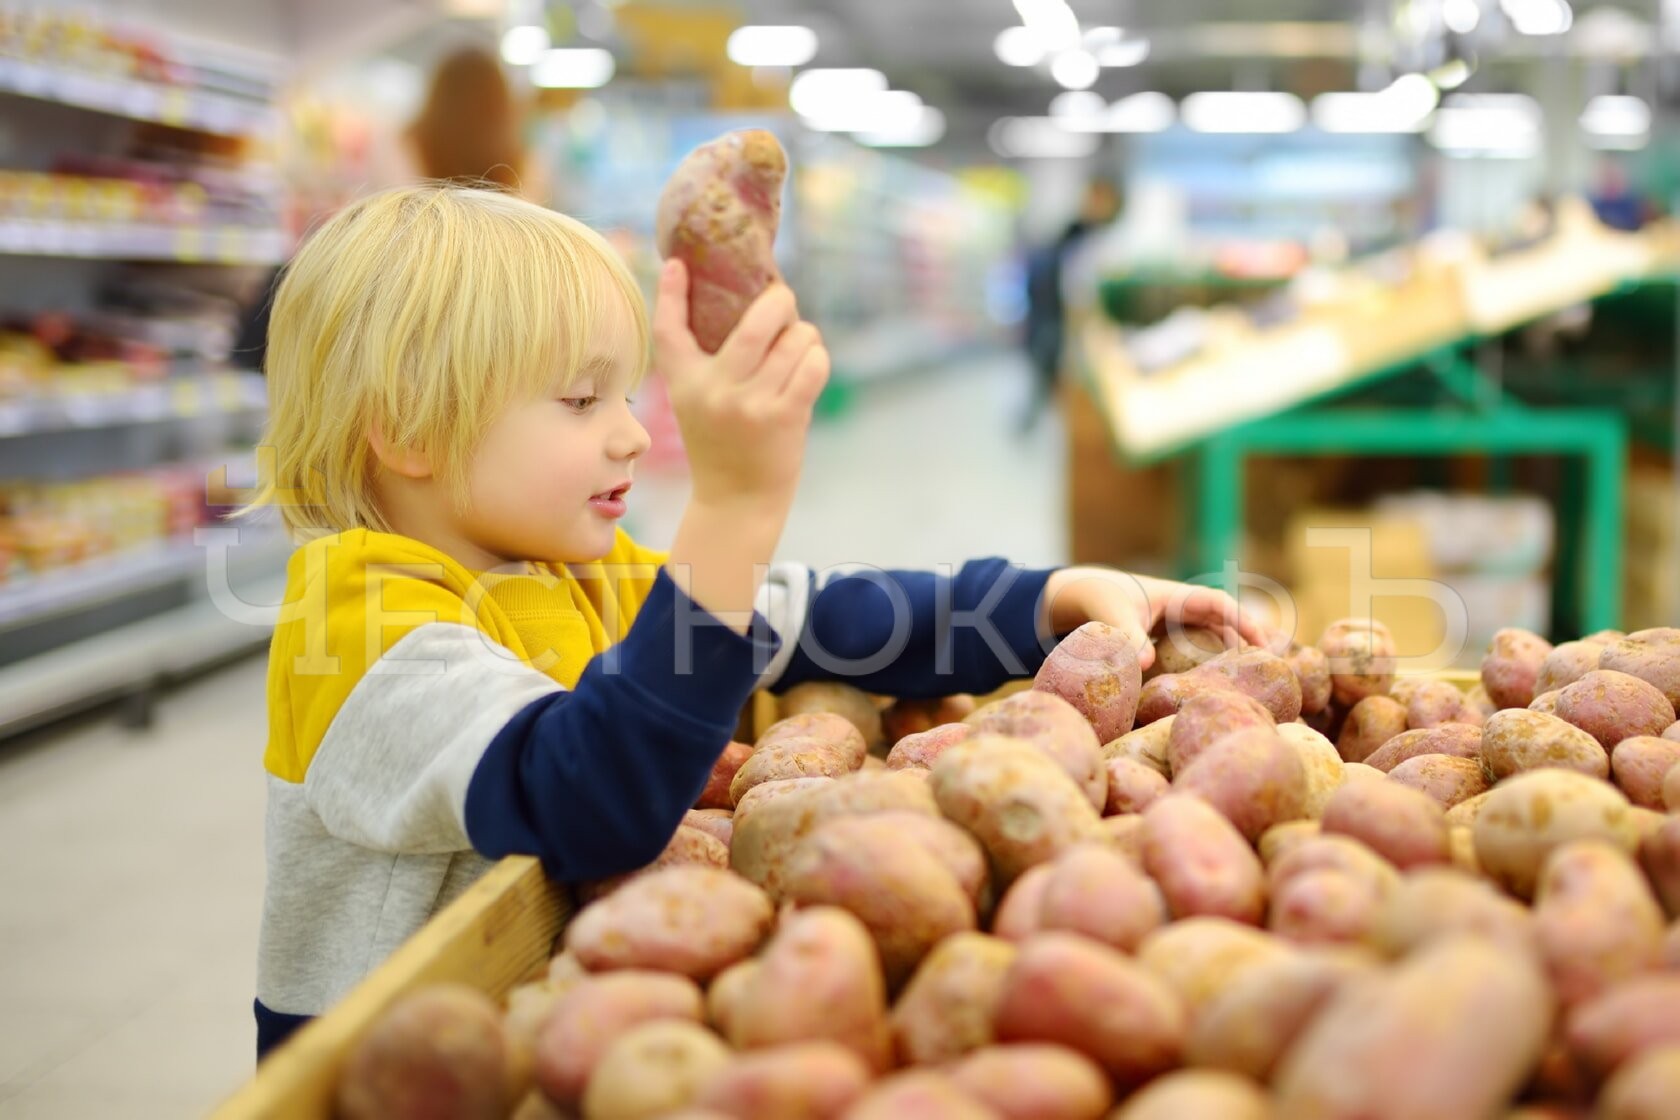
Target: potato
x=1067 y=989
x=1672 y=732
x=1546 y=702
x=907 y=717
x=440 y=1048
x=1457 y=739
x=1324 y=907
x=1434 y=703
x=716 y=795
x=719 y=824
x=826 y=955
x=1095 y=669
x=1597 y=921
x=853 y=705
x=1461 y=849
x=1612 y=706
x=1646 y=822
x=1258 y=673
x=1095 y=891
x=1312 y=669
x=1651 y=655
x=718 y=215
x=1405 y=827
x=824 y=727
x=1640 y=764
x=1447 y=779
x=1342 y=854
x=1057 y=730
x=1361 y=652
x=1320 y=763
x=1178 y=649
x=528 y=1008
x=906 y=896
x=1671 y=791
x=1147 y=745
x=724 y=993
x=947 y=1008
x=1435 y=902
x=1034 y=1081
x=1479 y=699
x=688 y=847
x=1281 y=839
x=1021 y=806
x=1247 y=1026
x=1659 y=855
x=1253 y=777
x=1207 y=717
x=1197 y=1093
x=652 y=1069
x=691 y=920
x=1645 y=1089
x=800 y=1081
x=1528 y=815
x=957 y=851
x=792 y=758
x=1451 y=1031
x=587 y=1019
x=1632 y=1018
x=1517 y=740
x=1359 y=772
x=924 y=747
x=1201 y=862
x=1018 y=913
x=770 y=791
x=1671 y=948
x=1163 y=696
x=1132 y=786
x=1567 y=663
x=1463 y=815
x=1199 y=957
x=1124 y=834
x=1371 y=722
x=535 y=1106
x=918 y=1094
x=1512 y=666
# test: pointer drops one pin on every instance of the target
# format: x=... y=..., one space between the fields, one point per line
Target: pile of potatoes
x=1258 y=885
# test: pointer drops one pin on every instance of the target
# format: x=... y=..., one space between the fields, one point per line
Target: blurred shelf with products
x=141 y=212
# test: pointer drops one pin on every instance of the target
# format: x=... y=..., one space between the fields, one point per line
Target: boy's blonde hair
x=424 y=310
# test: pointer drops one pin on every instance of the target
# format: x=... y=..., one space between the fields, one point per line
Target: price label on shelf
x=230 y=245
x=173 y=108
x=189 y=243
x=187 y=398
x=228 y=392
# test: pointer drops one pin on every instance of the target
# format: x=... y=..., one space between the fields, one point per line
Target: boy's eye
x=579 y=404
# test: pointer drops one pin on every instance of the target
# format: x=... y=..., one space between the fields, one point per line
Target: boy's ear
x=407 y=462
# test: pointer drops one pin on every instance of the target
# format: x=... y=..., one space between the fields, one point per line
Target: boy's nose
x=630 y=440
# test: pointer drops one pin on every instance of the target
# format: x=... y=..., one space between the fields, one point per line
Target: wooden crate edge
x=514 y=900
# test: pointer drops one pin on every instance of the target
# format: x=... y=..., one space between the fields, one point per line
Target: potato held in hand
x=718 y=215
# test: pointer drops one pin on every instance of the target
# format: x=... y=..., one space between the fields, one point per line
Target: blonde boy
x=473 y=659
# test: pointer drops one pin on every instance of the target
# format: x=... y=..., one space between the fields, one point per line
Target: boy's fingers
x=670 y=310
x=784 y=357
x=806 y=382
x=771 y=313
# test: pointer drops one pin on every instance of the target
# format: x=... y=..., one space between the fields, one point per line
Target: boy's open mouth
x=616 y=494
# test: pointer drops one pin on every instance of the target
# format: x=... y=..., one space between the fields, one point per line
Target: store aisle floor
x=129 y=898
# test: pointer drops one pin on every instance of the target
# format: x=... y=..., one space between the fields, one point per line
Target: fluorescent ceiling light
x=1147 y=111
x=1077 y=104
x=1039 y=138
x=828 y=92
x=882 y=112
x=1539 y=17
x=1255 y=112
x=1461 y=16
x=1609 y=115
x=1403 y=107
x=1051 y=22
x=1016 y=46
x=573 y=68
x=1075 y=69
x=1497 y=125
x=523 y=45
x=772 y=45
x=1127 y=52
x=925 y=128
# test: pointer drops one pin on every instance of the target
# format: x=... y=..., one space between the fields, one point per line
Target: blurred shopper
x=469 y=129
x=1046 y=309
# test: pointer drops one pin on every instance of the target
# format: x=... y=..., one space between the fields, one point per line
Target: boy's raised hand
x=744 y=411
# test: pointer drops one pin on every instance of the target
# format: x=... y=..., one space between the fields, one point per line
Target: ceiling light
x=1051 y=22
x=1016 y=46
x=1075 y=69
x=1497 y=125
x=1077 y=104
x=1147 y=111
x=523 y=45
x=1039 y=138
x=924 y=128
x=1461 y=16
x=772 y=45
x=573 y=68
x=1254 y=112
x=1451 y=75
x=827 y=92
x=1615 y=115
x=1539 y=17
x=1127 y=52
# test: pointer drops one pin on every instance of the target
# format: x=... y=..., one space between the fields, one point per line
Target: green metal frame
x=1589 y=561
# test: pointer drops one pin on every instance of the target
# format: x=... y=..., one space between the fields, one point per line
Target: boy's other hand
x=1137 y=604
x=744 y=411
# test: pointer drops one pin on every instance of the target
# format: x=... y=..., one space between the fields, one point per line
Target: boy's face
x=549 y=480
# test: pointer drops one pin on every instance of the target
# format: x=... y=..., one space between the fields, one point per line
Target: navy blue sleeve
x=595 y=781
x=919 y=634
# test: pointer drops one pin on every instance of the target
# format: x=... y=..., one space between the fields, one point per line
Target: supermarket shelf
x=136 y=99
x=176 y=399
x=108 y=578
x=110 y=241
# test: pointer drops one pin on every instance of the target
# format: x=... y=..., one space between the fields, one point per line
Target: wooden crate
x=500 y=933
